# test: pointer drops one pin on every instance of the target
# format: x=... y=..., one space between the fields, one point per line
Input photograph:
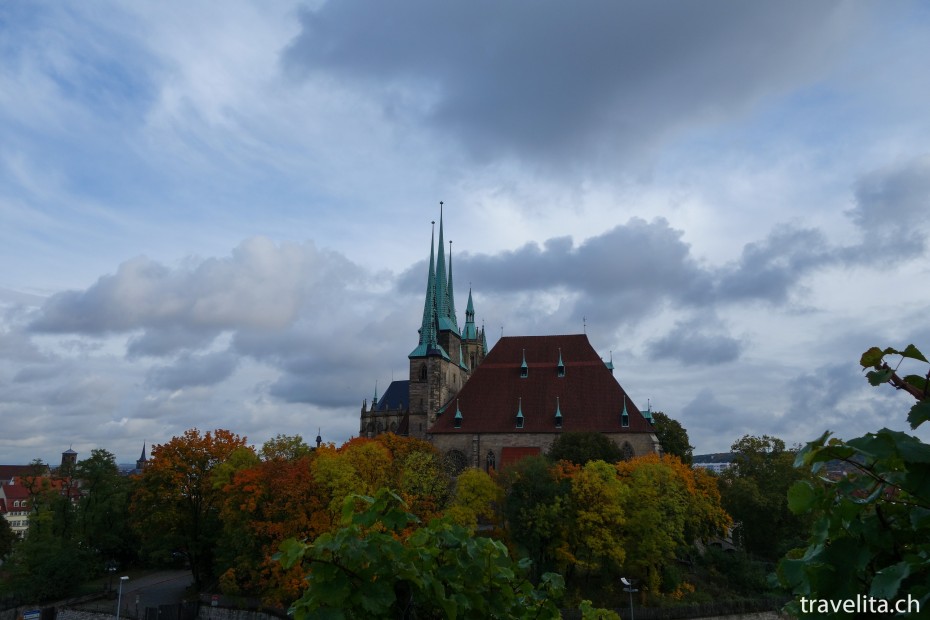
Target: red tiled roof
x=15 y=491
x=589 y=397
x=8 y=472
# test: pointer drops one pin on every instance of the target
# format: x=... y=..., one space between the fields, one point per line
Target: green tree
x=871 y=527
x=103 y=509
x=44 y=567
x=284 y=447
x=673 y=437
x=368 y=569
x=7 y=538
x=175 y=507
x=537 y=510
x=581 y=447
x=754 y=492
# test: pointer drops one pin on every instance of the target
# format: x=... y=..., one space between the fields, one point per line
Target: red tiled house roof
x=589 y=397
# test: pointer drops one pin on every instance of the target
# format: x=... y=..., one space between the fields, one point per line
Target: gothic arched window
x=454 y=462
x=491 y=461
x=422 y=372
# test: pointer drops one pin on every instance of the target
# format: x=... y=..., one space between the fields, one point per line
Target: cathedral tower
x=439 y=365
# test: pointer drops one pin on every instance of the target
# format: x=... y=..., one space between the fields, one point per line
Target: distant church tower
x=69 y=458
x=142 y=461
x=444 y=357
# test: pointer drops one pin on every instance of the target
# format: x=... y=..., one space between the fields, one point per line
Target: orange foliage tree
x=671 y=506
x=175 y=508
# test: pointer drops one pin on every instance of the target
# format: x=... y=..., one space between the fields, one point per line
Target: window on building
x=491 y=461
x=625 y=419
x=627 y=451
x=422 y=372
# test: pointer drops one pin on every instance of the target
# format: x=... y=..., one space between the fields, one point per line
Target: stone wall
x=475 y=446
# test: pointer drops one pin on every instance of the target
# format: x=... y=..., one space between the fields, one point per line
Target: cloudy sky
x=219 y=216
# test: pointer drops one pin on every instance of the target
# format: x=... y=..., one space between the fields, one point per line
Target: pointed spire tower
x=429 y=328
x=451 y=296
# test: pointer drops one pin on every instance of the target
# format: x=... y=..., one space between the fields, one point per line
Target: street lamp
x=628 y=587
x=119 y=596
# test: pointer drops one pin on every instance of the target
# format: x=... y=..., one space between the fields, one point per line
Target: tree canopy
x=673 y=437
x=581 y=447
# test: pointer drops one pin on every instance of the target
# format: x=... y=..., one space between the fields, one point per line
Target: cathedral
x=488 y=409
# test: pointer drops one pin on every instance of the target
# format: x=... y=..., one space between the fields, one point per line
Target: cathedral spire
x=470 y=332
x=451 y=295
x=442 y=291
x=429 y=327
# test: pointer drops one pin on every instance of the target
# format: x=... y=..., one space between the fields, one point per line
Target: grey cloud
x=894 y=198
x=639 y=259
x=193 y=370
x=18 y=347
x=551 y=82
x=891 y=208
x=262 y=285
x=697 y=341
x=31 y=374
x=767 y=270
x=706 y=416
x=168 y=340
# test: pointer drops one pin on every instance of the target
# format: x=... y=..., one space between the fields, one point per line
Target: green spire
x=561 y=366
x=428 y=331
x=451 y=295
x=648 y=413
x=520 y=413
x=442 y=280
x=471 y=332
x=558 y=413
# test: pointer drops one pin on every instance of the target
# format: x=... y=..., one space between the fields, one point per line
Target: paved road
x=155 y=589
x=150 y=590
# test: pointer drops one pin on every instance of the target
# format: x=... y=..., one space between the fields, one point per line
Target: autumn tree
x=599 y=502
x=264 y=505
x=672 y=436
x=670 y=507
x=175 y=508
x=476 y=497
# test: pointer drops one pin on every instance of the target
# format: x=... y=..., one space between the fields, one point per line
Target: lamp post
x=628 y=587
x=119 y=597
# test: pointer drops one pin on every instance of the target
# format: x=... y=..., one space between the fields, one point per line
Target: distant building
x=15 y=505
x=717 y=463
x=488 y=409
